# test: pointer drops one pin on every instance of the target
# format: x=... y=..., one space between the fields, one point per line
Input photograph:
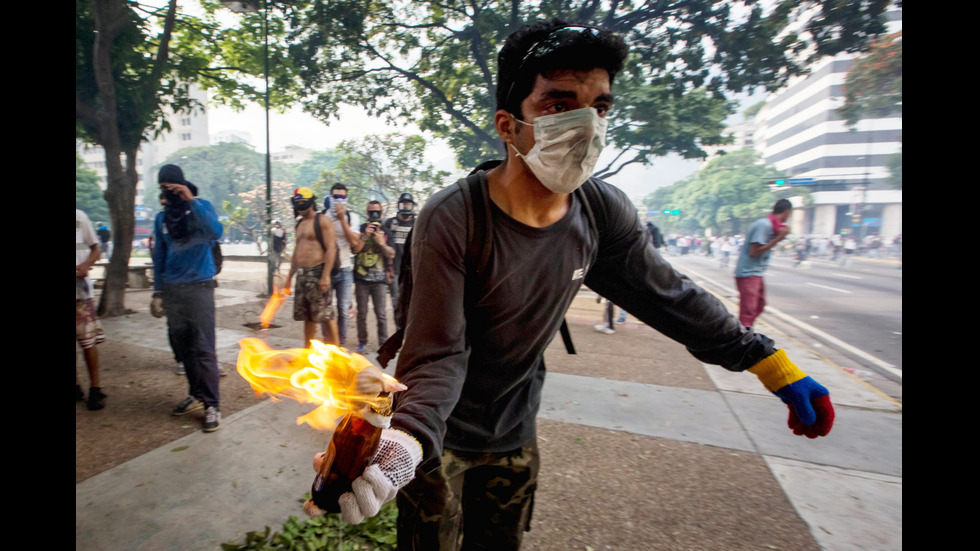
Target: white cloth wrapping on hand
x=392 y=467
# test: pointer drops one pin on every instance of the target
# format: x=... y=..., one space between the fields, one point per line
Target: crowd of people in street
x=353 y=270
x=748 y=267
x=841 y=247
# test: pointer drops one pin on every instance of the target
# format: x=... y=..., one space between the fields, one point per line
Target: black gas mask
x=406 y=206
x=302 y=199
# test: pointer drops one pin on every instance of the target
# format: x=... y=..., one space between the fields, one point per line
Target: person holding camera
x=371 y=276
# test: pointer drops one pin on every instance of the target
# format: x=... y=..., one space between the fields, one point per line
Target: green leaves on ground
x=325 y=532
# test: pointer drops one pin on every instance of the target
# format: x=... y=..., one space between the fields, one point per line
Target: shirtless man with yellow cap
x=312 y=261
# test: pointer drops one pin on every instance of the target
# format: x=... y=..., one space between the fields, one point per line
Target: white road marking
x=828 y=288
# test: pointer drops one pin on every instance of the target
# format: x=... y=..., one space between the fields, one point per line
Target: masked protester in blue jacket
x=183 y=285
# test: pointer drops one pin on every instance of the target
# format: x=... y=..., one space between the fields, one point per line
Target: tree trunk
x=121 y=196
x=120 y=191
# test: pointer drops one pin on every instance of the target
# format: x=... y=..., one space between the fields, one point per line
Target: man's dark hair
x=781 y=206
x=564 y=50
x=375 y=202
x=338 y=185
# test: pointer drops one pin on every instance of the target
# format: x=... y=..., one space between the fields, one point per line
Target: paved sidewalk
x=643 y=448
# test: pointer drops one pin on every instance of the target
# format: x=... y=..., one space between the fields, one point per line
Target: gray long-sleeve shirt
x=475 y=372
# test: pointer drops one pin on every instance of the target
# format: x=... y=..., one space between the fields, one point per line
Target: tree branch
x=163 y=52
x=436 y=91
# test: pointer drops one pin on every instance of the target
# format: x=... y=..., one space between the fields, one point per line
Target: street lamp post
x=252 y=6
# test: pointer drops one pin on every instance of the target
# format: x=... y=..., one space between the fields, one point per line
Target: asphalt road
x=851 y=313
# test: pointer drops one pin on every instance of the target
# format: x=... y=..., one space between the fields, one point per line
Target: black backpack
x=479 y=246
x=219 y=258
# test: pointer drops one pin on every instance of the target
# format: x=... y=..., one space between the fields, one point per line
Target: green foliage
x=381 y=168
x=726 y=195
x=238 y=50
x=233 y=178
x=220 y=171
x=88 y=195
x=433 y=63
x=309 y=172
x=376 y=533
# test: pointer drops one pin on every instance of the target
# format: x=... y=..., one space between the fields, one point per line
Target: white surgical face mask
x=566 y=148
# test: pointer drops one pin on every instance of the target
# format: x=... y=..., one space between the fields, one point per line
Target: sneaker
x=212 y=419
x=190 y=404
x=604 y=329
x=222 y=371
x=621 y=320
x=96 y=400
x=360 y=349
x=79 y=395
x=179 y=370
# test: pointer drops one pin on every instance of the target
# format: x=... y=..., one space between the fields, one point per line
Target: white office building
x=799 y=132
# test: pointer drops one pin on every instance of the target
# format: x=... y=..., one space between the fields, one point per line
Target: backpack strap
x=316 y=229
x=319 y=231
x=594 y=206
x=591 y=201
x=476 y=196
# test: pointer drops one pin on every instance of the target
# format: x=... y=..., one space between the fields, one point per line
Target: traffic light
x=672 y=212
x=777 y=182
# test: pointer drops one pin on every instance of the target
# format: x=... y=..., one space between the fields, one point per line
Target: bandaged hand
x=156 y=305
x=811 y=413
x=392 y=467
x=371 y=381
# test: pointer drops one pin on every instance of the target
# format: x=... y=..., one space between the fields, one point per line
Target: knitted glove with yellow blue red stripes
x=810 y=411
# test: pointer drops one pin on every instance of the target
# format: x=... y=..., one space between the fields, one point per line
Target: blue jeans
x=191 y=328
x=343 y=284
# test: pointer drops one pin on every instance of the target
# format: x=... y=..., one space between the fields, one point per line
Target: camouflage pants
x=471 y=501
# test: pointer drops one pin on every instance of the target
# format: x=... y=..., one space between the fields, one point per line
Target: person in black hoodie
x=183 y=289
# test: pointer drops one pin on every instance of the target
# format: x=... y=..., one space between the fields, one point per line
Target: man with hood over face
x=183 y=285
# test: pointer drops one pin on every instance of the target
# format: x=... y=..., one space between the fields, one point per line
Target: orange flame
x=324 y=374
x=272 y=307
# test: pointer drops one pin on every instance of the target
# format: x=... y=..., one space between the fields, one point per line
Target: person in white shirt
x=88 y=330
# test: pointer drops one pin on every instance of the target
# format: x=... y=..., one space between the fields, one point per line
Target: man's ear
x=506 y=126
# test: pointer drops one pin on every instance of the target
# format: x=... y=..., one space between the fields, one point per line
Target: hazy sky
x=298 y=128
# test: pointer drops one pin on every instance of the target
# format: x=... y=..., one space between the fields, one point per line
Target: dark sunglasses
x=555 y=40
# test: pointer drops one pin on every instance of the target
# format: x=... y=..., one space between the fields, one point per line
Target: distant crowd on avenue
x=836 y=247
